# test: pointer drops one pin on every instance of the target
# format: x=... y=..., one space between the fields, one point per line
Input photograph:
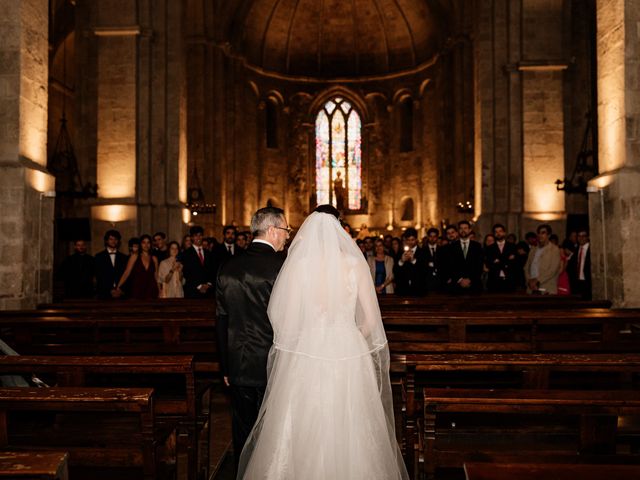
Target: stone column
x=614 y=202
x=26 y=188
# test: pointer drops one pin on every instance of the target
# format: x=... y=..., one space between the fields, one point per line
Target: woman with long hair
x=141 y=272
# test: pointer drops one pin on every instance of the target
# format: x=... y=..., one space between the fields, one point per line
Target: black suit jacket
x=77 y=272
x=433 y=268
x=577 y=287
x=411 y=278
x=108 y=275
x=497 y=262
x=460 y=267
x=195 y=273
x=245 y=335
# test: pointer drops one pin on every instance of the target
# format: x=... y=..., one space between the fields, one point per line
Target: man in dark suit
x=245 y=335
x=77 y=272
x=579 y=267
x=500 y=259
x=464 y=259
x=410 y=270
x=433 y=256
x=198 y=267
x=110 y=264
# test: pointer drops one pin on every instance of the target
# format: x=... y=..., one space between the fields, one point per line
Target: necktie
x=229 y=248
x=433 y=251
x=465 y=247
x=201 y=256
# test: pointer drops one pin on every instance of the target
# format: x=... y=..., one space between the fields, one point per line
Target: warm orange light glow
x=543 y=145
x=186 y=215
x=116 y=175
x=547 y=217
x=610 y=45
x=40 y=181
x=602 y=181
x=113 y=213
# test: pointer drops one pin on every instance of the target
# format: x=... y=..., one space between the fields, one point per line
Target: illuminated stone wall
x=26 y=223
x=614 y=204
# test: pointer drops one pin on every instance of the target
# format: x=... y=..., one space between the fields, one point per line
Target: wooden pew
x=34 y=465
x=499 y=471
x=101 y=428
x=524 y=332
x=177 y=405
x=526 y=371
x=487 y=301
x=460 y=424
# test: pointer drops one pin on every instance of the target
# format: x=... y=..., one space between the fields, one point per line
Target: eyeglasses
x=286 y=229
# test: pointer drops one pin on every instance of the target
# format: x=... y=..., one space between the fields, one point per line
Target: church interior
x=148 y=116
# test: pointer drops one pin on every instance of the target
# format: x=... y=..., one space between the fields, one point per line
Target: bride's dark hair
x=327 y=208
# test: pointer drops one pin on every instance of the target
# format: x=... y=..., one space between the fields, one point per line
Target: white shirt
x=231 y=250
x=535 y=263
x=582 y=257
x=112 y=256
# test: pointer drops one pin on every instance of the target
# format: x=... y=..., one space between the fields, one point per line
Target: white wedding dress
x=327 y=413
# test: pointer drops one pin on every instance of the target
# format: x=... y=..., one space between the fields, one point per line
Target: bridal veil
x=328 y=409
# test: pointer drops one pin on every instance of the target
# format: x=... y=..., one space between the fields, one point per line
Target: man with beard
x=465 y=260
x=500 y=260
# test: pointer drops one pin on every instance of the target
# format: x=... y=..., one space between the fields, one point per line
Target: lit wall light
x=547 y=216
x=40 y=181
x=186 y=216
x=113 y=213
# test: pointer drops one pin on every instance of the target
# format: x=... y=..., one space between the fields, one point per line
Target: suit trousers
x=245 y=405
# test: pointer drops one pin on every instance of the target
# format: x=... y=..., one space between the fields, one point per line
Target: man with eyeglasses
x=245 y=335
x=543 y=265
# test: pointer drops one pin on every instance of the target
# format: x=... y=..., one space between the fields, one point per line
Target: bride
x=327 y=412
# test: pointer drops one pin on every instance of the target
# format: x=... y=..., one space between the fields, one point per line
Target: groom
x=244 y=331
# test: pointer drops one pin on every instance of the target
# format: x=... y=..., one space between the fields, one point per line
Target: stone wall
x=26 y=226
x=614 y=205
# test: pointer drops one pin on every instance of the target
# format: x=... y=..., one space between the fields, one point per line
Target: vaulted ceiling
x=338 y=38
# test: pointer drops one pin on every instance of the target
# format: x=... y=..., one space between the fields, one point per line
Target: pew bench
x=460 y=424
x=177 y=404
x=34 y=465
x=522 y=471
x=101 y=428
x=422 y=332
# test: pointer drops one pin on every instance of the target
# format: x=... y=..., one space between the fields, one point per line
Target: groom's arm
x=222 y=330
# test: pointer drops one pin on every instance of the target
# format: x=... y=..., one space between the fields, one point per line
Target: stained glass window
x=339 y=155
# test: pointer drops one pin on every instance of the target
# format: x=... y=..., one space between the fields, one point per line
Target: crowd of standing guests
x=453 y=262
x=154 y=268
x=456 y=263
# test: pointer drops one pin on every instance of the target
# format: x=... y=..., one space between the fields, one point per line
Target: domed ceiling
x=338 y=38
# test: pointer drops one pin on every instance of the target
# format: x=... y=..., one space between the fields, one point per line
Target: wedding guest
x=452 y=233
x=360 y=244
x=186 y=243
x=241 y=242
x=410 y=270
x=512 y=239
x=564 y=284
x=554 y=239
x=387 y=243
x=141 y=272
x=110 y=264
x=396 y=249
x=500 y=259
x=368 y=247
x=198 y=267
x=134 y=246
x=381 y=266
x=77 y=272
x=433 y=257
x=531 y=238
x=170 y=277
x=464 y=258
x=580 y=267
x=160 y=249
x=543 y=265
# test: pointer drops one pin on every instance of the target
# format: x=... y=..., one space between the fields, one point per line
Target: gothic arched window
x=339 y=155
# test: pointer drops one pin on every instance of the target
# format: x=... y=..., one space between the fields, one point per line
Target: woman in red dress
x=563 y=279
x=141 y=272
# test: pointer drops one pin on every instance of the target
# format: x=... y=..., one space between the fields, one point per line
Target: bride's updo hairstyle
x=327 y=208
